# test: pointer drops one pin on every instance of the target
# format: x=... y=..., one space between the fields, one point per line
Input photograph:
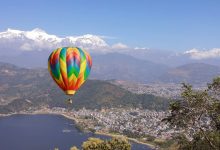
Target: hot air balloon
x=69 y=68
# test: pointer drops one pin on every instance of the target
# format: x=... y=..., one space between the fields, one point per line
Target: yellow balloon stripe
x=63 y=70
x=81 y=73
x=82 y=67
x=72 y=80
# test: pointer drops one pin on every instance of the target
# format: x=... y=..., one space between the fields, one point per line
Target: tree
x=197 y=116
x=119 y=143
x=74 y=148
x=93 y=144
x=116 y=143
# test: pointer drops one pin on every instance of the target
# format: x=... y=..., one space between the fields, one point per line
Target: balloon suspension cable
x=69 y=103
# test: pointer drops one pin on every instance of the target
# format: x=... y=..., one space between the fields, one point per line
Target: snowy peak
x=10 y=33
x=38 y=30
x=36 y=34
x=88 y=40
x=41 y=35
x=38 y=39
x=9 y=30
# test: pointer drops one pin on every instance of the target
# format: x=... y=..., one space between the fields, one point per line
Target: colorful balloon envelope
x=69 y=67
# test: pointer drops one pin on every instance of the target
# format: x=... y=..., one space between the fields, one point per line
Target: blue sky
x=161 y=24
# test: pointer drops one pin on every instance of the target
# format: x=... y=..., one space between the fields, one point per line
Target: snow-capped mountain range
x=38 y=39
x=37 y=44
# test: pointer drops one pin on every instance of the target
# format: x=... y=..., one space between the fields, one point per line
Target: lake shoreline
x=131 y=139
x=65 y=115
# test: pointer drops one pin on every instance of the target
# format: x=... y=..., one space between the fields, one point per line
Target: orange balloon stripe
x=79 y=82
x=89 y=60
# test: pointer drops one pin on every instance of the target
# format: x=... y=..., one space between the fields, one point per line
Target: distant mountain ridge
x=195 y=73
x=22 y=89
x=105 y=66
x=125 y=67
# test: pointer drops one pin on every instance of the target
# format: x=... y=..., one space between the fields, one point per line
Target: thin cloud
x=119 y=46
x=107 y=37
x=141 y=48
x=205 y=54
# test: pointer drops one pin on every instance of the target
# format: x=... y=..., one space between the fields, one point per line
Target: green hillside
x=22 y=89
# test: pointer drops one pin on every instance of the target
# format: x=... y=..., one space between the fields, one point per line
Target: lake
x=44 y=132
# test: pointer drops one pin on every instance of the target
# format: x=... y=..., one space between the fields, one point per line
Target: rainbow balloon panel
x=69 y=67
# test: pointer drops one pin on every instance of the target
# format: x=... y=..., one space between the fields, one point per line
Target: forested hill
x=23 y=89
